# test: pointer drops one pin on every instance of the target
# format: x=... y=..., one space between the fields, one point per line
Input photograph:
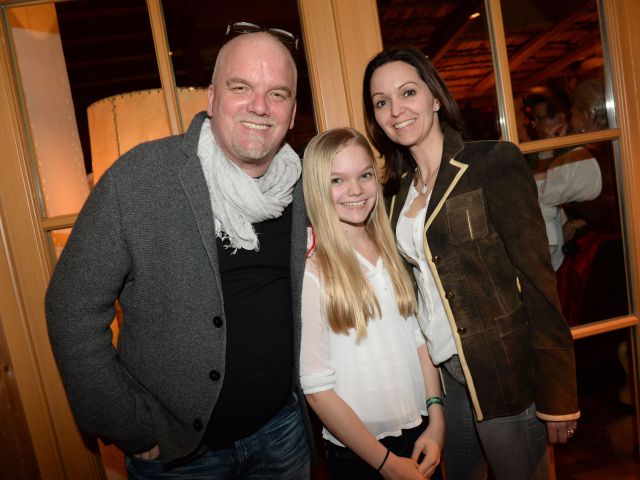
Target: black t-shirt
x=259 y=356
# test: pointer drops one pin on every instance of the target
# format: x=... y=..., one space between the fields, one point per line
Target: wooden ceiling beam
x=587 y=51
x=459 y=23
x=533 y=46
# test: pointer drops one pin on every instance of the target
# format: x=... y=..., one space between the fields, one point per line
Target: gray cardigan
x=146 y=238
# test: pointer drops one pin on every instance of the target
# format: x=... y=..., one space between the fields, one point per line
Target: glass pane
x=58 y=239
x=112 y=458
x=111 y=60
x=557 y=67
x=70 y=55
x=579 y=199
x=606 y=442
x=196 y=31
x=455 y=36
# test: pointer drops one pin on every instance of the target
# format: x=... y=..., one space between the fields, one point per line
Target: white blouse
x=431 y=314
x=380 y=378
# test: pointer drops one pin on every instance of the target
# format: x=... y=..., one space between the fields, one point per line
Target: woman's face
x=404 y=107
x=580 y=121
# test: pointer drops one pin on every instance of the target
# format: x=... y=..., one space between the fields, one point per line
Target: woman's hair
x=350 y=300
x=588 y=97
x=397 y=157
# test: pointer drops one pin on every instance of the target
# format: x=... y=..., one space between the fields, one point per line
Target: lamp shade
x=119 y=123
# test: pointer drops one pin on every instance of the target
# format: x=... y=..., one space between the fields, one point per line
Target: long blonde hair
x=350 y=300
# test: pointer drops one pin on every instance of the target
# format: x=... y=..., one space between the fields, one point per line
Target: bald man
x=201 y=238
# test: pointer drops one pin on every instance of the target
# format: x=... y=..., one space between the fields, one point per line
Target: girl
x=364 y=365
x=467 y=220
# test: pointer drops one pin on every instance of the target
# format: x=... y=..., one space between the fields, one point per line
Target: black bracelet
x=383 y=461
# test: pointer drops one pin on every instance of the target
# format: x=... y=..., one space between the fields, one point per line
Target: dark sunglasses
x=239 y=28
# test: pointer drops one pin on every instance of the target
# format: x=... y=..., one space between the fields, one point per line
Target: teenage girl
x=365 y=368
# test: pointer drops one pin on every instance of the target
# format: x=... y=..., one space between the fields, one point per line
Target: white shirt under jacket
x=431 y=314
x=380 y=378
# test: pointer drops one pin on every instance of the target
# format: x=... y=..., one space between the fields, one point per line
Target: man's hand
x=150 y=454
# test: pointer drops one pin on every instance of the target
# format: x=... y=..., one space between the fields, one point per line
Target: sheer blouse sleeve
x=317 y=373
x=419 y=336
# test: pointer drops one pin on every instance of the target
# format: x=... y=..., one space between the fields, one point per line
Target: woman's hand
x=560 y=432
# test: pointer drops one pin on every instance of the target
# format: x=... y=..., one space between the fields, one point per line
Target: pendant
x=424 y=189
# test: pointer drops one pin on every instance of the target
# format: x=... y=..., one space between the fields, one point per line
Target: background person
x=201 y=238
x=562 y=176
x=364 y=364
x=592 y=281
x=467 y=220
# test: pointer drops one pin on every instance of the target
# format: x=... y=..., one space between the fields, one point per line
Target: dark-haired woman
x=468 y=223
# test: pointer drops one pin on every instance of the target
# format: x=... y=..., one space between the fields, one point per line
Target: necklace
x=425 y=185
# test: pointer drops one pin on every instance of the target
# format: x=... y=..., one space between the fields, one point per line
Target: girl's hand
x=400 y=468
x=429 y=444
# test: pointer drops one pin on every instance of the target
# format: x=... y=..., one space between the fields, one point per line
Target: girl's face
x=404 y=107
x=354 y=187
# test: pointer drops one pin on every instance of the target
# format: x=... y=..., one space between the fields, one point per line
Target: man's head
x=546 y=119
x=252 y=99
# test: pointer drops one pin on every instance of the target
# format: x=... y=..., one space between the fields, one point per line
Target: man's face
x=545 y=125
x=252 y=100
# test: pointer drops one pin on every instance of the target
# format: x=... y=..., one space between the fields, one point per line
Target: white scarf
x=239 y=200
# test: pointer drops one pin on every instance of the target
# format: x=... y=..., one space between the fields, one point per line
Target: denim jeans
x=344 y=464
x=515 y=446
x=279 y=450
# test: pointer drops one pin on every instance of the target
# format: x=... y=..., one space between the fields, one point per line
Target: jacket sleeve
x=79 y=305
x=515 y=211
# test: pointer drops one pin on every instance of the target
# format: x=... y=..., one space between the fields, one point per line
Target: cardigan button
x=197 y=424
x=214 y=375
x=450 y=295
x=217 y=321
x=462 y=330
x=436 y=259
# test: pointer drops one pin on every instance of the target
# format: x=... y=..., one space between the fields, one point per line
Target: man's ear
x=210 y=94
x=293 y=115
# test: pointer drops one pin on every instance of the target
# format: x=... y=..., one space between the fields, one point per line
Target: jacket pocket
x=466 y=217
x=516 y=352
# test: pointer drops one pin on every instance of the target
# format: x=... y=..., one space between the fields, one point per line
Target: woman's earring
x=436 y=107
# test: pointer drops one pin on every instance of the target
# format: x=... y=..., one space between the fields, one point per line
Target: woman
x=364 y=365
x=467 y=221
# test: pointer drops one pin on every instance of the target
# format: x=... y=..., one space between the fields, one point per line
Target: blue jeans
x=515 y=446
x=279 y=450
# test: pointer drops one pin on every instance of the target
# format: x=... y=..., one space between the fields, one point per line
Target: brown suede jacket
x=486 y=239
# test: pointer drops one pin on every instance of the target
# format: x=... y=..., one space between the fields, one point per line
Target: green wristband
x=434 y=401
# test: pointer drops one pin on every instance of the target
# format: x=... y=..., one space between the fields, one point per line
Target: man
x=202 y=240
x=546 y=118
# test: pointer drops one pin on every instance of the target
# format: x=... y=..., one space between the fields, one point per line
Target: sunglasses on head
x=239 y=28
